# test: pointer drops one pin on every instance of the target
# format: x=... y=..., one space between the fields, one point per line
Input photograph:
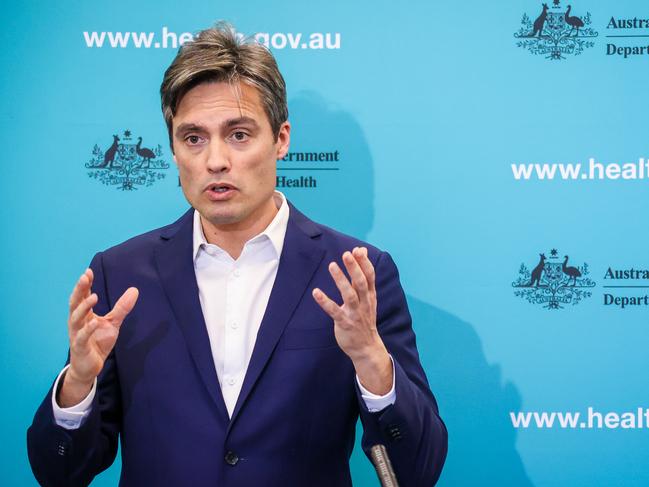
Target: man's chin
x=218 y=219
x=221 y=214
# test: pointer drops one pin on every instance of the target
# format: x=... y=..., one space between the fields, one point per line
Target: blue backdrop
x=421 y=108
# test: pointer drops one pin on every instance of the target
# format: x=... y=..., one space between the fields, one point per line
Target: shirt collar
x=275 y=231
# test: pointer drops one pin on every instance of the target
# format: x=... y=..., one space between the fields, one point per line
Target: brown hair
x=220 y=54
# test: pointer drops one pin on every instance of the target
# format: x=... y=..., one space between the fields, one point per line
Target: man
x=214 y=347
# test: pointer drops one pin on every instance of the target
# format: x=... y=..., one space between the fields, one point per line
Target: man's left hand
x=355 y=320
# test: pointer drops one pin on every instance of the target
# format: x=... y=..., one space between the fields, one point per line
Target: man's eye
x=239 y=136
x=193 y=139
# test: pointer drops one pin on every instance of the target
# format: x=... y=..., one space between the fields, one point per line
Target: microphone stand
x=383 y=466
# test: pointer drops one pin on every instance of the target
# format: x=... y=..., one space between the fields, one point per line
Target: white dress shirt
x=233 y=295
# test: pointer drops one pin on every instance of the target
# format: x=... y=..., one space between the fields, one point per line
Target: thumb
x=123 y=306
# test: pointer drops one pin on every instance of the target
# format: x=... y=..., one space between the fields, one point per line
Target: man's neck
x=232 y=237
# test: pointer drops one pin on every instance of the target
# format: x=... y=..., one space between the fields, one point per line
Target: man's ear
x=175 y=161
x=283 y=139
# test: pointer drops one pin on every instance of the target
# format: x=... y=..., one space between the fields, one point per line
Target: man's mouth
x=220 y=187
x=220 y=191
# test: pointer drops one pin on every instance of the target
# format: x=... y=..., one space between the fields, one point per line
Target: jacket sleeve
x=60 y=457
x=411 y=429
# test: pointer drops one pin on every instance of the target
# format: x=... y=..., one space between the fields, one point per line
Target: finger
x=81 y=289
x=328 y=305
x=123 y=306
x=79 y=313
x=359 y=282
x=81 y=340
x=367 y=267
x=342 y=283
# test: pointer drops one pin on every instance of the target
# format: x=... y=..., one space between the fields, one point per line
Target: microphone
x=383 y=466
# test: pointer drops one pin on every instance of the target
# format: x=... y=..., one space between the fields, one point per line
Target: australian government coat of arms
x=553 y=282
x=126 y=164
x=556 y=32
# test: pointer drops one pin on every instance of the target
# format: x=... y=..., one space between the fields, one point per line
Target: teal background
x=429 y=103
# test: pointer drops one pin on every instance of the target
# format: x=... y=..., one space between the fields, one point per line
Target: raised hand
x=355 y=320
x=92 y=337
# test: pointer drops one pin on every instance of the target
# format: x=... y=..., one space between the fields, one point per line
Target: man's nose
x=218 y=158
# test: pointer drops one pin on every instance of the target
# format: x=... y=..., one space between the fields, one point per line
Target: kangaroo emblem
x=540 y=22
x=537 y=272
x=109 y=156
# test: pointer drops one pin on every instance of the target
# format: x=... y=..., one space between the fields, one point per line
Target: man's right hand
x=92 y=337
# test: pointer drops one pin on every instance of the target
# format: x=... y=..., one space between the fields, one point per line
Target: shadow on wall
x=472 y=400
x=473 y=403
x=344 y=196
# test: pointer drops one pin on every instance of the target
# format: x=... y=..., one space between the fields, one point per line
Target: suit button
x=231 y=458
x=393 y=432
x=61 y=450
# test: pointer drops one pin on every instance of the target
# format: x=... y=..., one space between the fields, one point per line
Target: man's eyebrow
x=189 y=127
x=240 y=121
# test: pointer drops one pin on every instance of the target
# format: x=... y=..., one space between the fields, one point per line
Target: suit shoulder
x=334 y=241
x=339 y=242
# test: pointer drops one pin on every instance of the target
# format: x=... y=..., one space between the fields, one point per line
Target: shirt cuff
x=73 y=417
x=376 y=403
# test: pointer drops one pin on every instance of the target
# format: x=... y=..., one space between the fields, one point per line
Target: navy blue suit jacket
x=294 y=421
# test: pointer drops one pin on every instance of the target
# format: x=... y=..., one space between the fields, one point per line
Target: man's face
x=226 y=153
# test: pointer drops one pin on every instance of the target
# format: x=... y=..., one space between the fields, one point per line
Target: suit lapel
x=300 y=257
x=175 y=265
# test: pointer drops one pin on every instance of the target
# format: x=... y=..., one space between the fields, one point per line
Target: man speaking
x=238 y=345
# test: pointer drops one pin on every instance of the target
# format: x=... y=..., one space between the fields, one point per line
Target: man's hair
x=219 y=54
